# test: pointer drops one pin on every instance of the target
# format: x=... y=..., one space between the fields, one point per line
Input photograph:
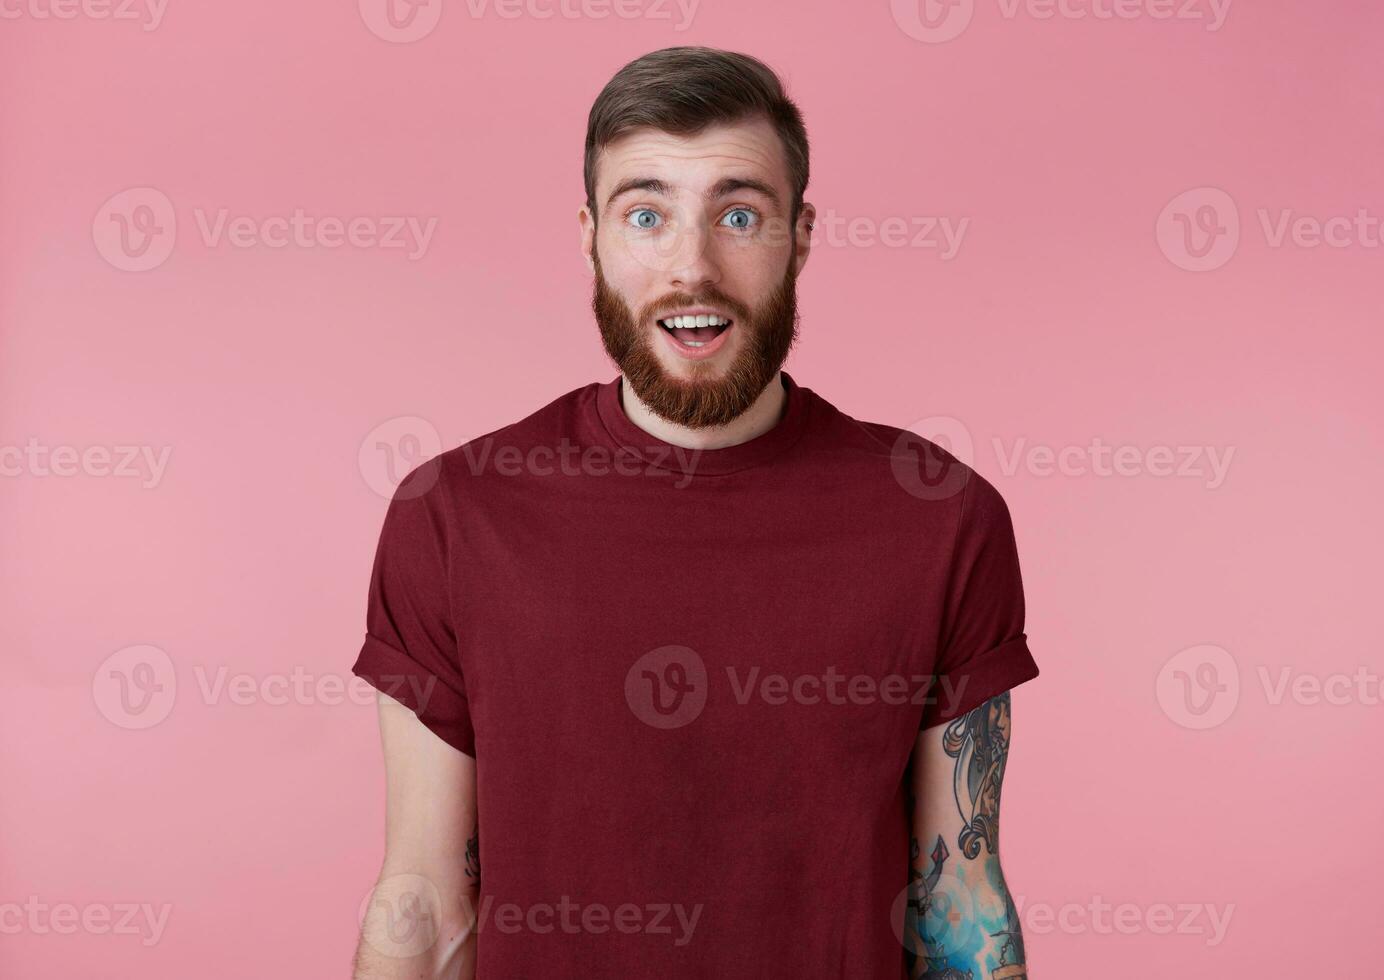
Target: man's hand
x=422 y=915
x=960 y=922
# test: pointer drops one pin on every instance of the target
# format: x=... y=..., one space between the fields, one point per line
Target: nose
x=693 y=264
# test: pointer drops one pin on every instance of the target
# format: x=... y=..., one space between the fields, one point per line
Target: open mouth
x=696 y=332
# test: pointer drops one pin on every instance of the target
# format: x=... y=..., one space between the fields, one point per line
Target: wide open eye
x=740 y=219
x=644 y=218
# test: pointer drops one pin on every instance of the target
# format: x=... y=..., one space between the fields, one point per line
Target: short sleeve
x=410 y=648
x=983 y=650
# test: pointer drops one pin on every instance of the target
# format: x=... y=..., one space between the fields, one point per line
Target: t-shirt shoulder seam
x=573 y=396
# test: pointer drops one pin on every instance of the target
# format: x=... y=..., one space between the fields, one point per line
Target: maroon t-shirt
x=692 y=680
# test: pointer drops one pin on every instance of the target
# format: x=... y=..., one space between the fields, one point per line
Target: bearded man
x=722 y=671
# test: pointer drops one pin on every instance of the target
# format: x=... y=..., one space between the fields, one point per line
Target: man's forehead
x=749 y=148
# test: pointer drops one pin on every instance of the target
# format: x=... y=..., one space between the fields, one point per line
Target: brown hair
x=685 y=89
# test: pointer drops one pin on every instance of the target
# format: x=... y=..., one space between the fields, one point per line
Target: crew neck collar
x=729 y=459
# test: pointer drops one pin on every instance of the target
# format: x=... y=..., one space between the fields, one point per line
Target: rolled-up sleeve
x=983 y=650
x=410 y=646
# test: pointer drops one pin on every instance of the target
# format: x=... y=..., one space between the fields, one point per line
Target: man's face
x=696 y=265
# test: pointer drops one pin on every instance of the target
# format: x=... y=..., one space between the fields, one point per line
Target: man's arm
x=960 y=921
x=421 y=917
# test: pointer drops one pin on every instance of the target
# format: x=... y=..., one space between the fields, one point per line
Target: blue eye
x=643 y=218
x=741 y=218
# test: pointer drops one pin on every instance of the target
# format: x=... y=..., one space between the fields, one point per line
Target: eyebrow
x=723 y=187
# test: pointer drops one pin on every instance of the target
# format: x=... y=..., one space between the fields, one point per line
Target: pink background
x=1065 y=316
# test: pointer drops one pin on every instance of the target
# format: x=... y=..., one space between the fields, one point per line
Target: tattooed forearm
x=961 y=921
x=473 y=857
x=979 y=742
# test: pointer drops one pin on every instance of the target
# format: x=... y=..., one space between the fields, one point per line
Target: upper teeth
x=700 y=320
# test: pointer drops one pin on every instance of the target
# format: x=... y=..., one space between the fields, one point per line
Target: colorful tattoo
x=961 y=921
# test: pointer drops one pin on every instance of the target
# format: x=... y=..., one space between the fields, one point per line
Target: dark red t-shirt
x=692 y=681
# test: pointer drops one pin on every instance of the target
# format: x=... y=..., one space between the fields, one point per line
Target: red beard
x=699 y=402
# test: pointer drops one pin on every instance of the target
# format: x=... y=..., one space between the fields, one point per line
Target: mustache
x=769 y=331
x=711 y=296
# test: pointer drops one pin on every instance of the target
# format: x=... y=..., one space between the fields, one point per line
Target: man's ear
x=588 y=237
x=802 y=236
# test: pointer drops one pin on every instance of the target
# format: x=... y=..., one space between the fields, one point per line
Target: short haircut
x=683 y=90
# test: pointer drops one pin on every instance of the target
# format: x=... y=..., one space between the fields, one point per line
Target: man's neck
x=762 y=415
